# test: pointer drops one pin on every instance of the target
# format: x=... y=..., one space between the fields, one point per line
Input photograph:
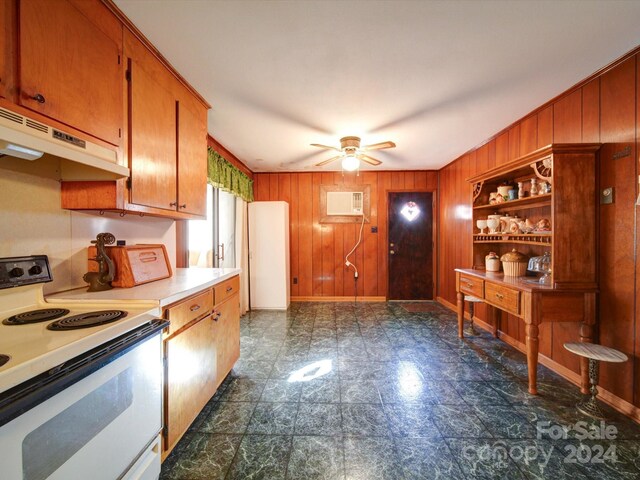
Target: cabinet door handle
x=195 y=308
x=184 y=205
x=38 y=97
x=229 y=289
x=216 y=316
x=499 y=296
x=469 y=285
x=173 y=204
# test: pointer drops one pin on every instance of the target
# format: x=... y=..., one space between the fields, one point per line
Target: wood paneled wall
x=318 y=250
x=603 y=108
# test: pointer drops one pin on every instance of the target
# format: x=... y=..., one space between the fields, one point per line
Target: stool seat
x=471 y=298
x=596 y=352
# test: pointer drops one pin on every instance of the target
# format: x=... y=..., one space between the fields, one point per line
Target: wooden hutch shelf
x=522 y=239
x=571 y=210
x=543 y=200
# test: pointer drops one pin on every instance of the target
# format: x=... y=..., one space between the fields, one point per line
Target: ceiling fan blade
x=332 y=159
x=326 y=147
x=369 y=160
x=379 y=146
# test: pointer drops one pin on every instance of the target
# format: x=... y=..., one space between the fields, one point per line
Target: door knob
x=392 y=245
x=38 y=97
x=392 y=252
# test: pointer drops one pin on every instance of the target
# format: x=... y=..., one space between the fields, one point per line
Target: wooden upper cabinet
x=152 y=140
x=164 y=136
x=192 y=158
x=7 y=46
x=70 y=66
x=167 y=136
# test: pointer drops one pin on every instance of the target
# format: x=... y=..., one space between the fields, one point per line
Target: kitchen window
x=212 y=241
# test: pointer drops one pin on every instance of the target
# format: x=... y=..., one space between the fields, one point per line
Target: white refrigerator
x=269 y=255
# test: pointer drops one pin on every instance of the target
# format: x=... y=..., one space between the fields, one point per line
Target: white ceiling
x=435 y=77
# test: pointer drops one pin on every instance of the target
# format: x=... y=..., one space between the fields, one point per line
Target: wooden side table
x=534 y=303
x=595 y=353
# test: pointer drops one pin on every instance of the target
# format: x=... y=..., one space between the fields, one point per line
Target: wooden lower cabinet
x=190 y=376
x=228 y=335
x=201 y=347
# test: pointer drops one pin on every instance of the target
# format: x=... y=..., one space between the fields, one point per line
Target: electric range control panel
x=18 y=271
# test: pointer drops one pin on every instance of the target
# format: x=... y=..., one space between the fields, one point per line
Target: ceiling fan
x=352 y=153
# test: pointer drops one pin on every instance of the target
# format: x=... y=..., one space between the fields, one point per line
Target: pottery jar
x=514 y=263
x=492 y=262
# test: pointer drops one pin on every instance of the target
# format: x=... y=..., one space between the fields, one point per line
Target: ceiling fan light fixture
x=350 y=163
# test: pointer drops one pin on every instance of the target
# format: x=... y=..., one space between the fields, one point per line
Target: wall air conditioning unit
x=344 y=203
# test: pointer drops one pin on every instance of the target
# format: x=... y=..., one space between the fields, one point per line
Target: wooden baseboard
x=447 y=304
x=337 y=299
x=606 y=396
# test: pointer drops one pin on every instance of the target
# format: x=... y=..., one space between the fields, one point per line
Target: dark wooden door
x=410 y=246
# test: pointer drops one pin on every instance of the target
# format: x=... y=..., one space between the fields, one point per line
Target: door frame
x=434 y=234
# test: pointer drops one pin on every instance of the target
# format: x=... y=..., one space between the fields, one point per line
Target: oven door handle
x=21 y=398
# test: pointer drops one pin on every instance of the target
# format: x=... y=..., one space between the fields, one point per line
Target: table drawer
x=505 y=298
x=472 y=286
x=227 y=288
x=188 y=310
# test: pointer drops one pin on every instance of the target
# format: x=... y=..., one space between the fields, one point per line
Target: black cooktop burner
x=4 y=359
x=35 y=316
x=86 y=320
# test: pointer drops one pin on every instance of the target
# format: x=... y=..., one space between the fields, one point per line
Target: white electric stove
x=80 y=382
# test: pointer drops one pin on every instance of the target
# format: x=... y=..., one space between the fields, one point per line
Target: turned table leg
x=460 y=314
x=494 y=317
x=532 y=357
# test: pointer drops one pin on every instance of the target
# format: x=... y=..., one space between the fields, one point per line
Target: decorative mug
x=504 y=191
x=513 y=194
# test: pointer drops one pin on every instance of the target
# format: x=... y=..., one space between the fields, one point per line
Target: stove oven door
x=104 y=426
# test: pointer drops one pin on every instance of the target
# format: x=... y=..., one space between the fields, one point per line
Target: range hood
x=25 y=138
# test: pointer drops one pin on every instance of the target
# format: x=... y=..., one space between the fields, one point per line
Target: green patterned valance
x=227 y=177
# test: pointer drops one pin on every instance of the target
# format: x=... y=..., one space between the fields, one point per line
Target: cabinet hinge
x=127 y=75
x=165 y=431
x=129 y=183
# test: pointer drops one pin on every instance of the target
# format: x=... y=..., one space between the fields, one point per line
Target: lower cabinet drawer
x=472 y=286
x=224 y=290
x=506 y=298
x=188 y=310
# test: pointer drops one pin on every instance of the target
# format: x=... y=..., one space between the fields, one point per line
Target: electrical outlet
x=295 y=280
x=606 y=196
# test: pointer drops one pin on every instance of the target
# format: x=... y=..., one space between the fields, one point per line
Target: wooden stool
x=594 y=353
x=470 y=330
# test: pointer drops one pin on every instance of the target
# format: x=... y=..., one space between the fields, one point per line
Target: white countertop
x=183 y=283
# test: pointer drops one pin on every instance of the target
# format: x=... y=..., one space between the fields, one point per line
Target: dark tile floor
x=337 y=391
